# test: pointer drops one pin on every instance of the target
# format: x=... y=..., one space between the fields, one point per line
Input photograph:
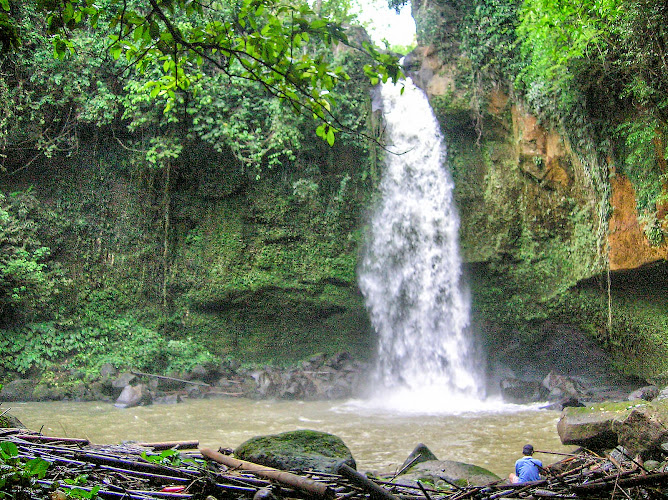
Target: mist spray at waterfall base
x=411 y=271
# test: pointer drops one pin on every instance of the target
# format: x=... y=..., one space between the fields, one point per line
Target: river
x=379 y=440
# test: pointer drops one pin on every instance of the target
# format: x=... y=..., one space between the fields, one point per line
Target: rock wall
x=542 y=234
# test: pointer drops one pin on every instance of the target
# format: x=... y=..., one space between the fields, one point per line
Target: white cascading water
x=411 y=271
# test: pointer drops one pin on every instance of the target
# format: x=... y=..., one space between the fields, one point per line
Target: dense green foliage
x=597 y=69
x=595 y=72
x=121 y=237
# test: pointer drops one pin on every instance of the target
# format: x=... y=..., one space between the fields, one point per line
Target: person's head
x=527 y=450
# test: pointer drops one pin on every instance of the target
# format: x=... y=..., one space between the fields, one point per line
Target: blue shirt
x=526 y=469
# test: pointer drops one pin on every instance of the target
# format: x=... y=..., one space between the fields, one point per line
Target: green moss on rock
x=297 y=450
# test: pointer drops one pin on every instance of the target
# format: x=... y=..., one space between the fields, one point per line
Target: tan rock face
x=629 y=247
x=541 y=154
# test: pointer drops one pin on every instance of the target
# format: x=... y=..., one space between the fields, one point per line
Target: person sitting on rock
x=527 y=468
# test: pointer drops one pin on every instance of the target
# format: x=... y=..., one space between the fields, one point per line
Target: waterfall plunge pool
x=380 y=440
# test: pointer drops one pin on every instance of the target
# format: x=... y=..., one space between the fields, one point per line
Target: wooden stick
x=424 y=491
x=164 y=377
x=364 y=482
x=52 y=439
x=556 y=453
x=168 y=445
x=301 y=483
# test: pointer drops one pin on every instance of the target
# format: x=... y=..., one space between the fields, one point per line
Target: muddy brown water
x=379 y=440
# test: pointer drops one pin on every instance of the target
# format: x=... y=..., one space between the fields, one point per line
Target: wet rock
x=133 y=396
x=18 y=390
x=44 y=392
x=203 y=373
x=100 y=391
x=560 y=387
x=107 y=371
x=419 y=454
x=621 y=456
x=297 y=450
x=79 y=392
x=314 y=362
x=264 y=494
x=195 y=391
x=590 y=427
x=639 y=426
x=568 y=402
x=123 y=380
x=642 y=431
x=9 y=420
x=168 y=399
x=339 y=360
x=519 y=391
x=442 y=472
x=647 y=393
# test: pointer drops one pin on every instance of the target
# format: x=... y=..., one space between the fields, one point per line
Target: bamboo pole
x=301 y=483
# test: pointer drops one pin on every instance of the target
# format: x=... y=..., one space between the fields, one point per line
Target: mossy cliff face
x=270 y=273
x=255 y=269
x=539 y=227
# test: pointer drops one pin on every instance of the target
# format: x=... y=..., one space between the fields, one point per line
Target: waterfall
x=411 y=269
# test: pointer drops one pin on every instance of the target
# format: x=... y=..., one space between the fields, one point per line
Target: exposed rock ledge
x=640 y=427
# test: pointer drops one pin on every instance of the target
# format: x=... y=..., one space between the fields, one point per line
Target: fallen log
x=303 y=484
x=374 y=490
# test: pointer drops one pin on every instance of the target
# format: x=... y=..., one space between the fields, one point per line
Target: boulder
x=195 y=391
x=419 y=454
x=9 y=420
x=566 y=402
x=168 y=399
x=123 y=380
x=442 y=473
x=519 y=391
x=43 y=392
x=639 y=426
x=297 y=450
x=107 y=371
x=642 y=431
x=18 y=390
x=648 y=393
x=590 y=426
x=132 y=396
x=560 y=386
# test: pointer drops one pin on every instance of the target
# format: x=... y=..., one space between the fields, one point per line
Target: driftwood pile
x=145 y=471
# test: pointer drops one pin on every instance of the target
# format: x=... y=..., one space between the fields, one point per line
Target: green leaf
x=37 y=467
x=8 y=450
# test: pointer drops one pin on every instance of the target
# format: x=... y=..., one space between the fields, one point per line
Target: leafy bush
x=27 y=281
x=123 y=342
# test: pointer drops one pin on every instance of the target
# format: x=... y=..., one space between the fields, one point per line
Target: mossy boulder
x=297 y=450
x=18 y=390
x=9 y=420
x=639 y=426
x=442 y=473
